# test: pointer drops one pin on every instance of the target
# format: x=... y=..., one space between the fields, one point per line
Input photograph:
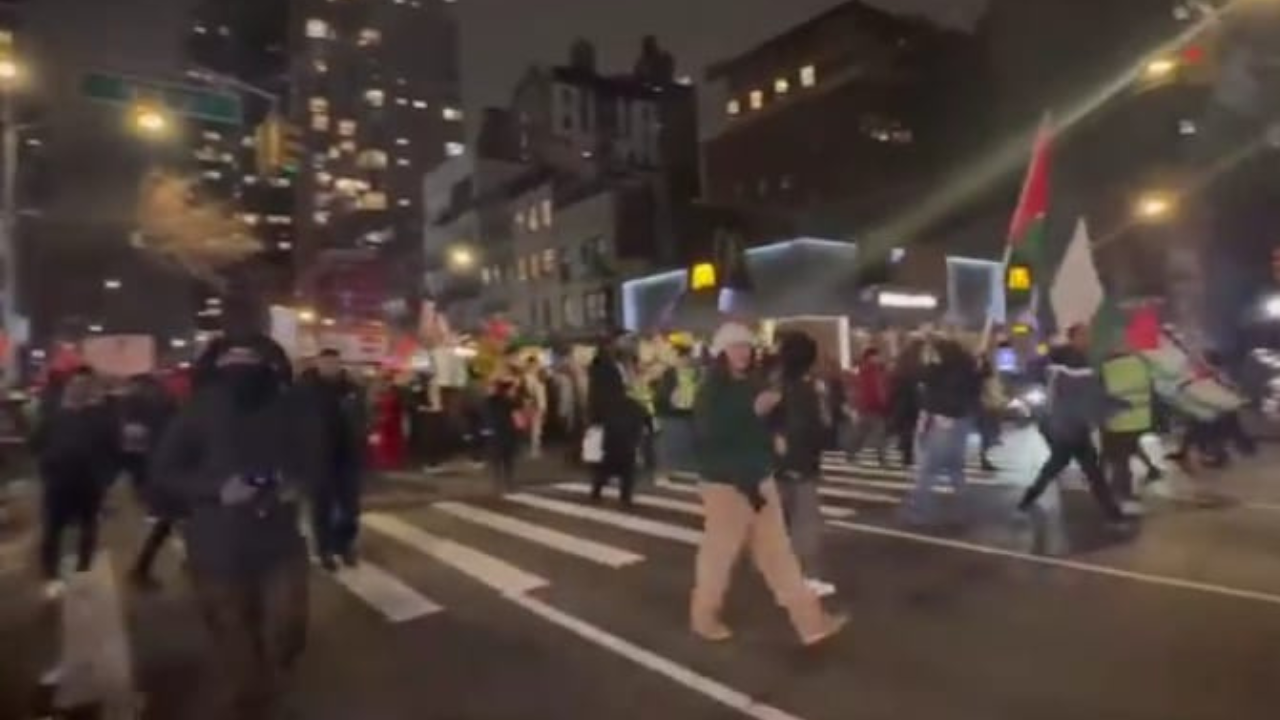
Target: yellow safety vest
x=1126 y=378
x=643 y=394
x=686 y=390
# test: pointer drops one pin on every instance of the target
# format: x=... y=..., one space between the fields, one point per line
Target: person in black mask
x=237 y=460
x=335 y=506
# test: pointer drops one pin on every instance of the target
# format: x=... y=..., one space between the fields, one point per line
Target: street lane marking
x=830 y=511
x=396 y=601
x=712 y=689
x=1106 y=570
x=596 y=552
x=639 y=525
x=902 y=474
x=860 y=495
x=487 y=569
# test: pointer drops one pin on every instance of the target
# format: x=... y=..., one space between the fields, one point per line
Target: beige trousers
x=731 y=523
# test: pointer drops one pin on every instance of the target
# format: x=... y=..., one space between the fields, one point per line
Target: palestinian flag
x=1025 y=244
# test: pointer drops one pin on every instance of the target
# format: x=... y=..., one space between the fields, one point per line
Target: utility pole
x=9 y=227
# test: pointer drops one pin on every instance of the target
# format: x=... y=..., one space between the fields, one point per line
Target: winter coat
x=734 y=445
x=798 y=420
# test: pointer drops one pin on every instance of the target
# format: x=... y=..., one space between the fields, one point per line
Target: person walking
x=335 y=502
x=239 y=458
x=611 y=408
x=677 y=388
x=740 y=499
x=1125 y=377
x=869 y=409
x=1076 y=403
x=144 y=412
x=800 y=425
x=904 y=398
x=950 y=387
x=991 y=406
x=535 y=397
x=501 y=408
x=77 y=449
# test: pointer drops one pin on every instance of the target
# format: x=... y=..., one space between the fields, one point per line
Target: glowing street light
x=1159 y=68
x=1154 y=206
x=150 y=120
x=461 y=259
x=10 y=71
x=307 y=315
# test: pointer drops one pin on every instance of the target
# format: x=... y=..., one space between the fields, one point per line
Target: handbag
x=593 y=445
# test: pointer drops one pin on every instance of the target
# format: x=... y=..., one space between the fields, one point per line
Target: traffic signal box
x=279 y=147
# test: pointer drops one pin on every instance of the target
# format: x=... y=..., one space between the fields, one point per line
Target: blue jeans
x=941 y=450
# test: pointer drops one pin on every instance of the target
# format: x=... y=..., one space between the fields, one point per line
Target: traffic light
x=1018 y=278
x=703 y=276
x=279 y=147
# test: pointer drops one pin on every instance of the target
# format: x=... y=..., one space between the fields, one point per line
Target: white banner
x=120 y=355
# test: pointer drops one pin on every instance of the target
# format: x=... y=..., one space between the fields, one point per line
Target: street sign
x=193 y=102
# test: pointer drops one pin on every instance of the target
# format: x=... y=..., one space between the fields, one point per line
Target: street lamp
x=150 y=120
x=10 y=71
x=307 y=315
x=461 y=259
x=1154 y=206
x=1159 y=68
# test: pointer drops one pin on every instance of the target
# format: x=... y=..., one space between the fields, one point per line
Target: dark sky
x=698 y=32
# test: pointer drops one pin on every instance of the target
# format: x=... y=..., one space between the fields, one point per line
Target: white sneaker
x=820 y=588
x=54 y=590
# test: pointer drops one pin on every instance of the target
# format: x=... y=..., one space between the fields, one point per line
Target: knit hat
x=731 y=333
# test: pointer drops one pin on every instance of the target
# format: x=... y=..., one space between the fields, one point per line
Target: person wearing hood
x=801 y=423
x=237 y=460
x=740 y=498
x=611 y=408
x=1076 y=404
x=77 y=448
x=335 y=505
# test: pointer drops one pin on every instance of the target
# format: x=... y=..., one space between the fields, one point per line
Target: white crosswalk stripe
x=682 y=506
x=393 y=599
x=829 y=511
x=587 y=549
x=622 y=521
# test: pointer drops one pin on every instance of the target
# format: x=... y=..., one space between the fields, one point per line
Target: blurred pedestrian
x=335 y=502
x=144 y=411
x=615 y=413
x=502 y=410
x=868 y=411
x=77 y=447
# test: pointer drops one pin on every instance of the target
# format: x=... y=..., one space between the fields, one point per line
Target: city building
x=838 y=123
x=586 y=179
x=375 y=92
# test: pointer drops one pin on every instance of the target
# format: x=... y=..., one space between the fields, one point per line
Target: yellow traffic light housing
x=279 y=147
x=1018 y=278
x=702 y=276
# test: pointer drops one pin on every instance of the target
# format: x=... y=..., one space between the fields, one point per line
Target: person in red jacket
x=388 y=429
x=868 y=406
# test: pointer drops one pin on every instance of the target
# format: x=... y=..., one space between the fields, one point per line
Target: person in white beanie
x=741 y=504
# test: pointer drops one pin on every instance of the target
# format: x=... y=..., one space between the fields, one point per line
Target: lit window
x=781 y=86
x=369 y=36
x=375 y=97
x=534 y=222
x=317 y=28
x=284 y=245
x=757 y=99
x=323 y=178
x=372 y=159
x=402 y=141
x=485 y=276
x=247 y=141
x=1187 y=127
x=281 y=182
x=535 y=268
x=404 y=202
x=451 y=114
x=320 y=66
x=228 y=158
x=347 y=146
x=808 y=76
x=549 y=262
x=212 y=175
x=320 y=218
x=454 y=149
x=335 y=152
x=250 y=180
x=402 y=101
x=211 y=135
x=373 y=201
x=318 y=105
x=522 y=270
x=346 y=128
x=546 y=213
x=520 y=220
x=733 y=107
x=419 y=104
x=320 y=123
x=250 y=219
x=402 y=162
x=200 y=29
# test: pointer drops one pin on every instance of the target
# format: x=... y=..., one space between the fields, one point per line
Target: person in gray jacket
x=237 y=461
x=1077 y=404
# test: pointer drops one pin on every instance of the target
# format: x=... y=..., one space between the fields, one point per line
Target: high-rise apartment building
x=376 y=93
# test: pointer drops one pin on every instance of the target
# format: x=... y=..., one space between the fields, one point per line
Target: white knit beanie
x=731 y=333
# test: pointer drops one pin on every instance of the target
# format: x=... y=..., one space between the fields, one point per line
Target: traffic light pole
x=9 y=227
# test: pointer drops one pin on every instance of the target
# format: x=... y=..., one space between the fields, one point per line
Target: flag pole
x=1046 y=123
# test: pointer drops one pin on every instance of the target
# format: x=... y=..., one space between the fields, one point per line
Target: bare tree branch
x=200 y=236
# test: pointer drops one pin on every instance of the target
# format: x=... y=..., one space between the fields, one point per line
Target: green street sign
x=193 y=102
